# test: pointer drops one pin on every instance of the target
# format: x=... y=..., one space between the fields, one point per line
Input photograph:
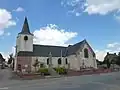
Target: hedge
x=61 y=70
x=43 y=71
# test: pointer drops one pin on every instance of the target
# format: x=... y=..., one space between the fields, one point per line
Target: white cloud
x=112 y=45
x=19 y=9
x=117 y=15
x=100 y=54
x=101 y=7
x=53 y=35
x=117 y=18
x=17 y=19
x=77 y=14
x=5 y=20
x=77 y=6
x=8 y=34
x=10 y=23
x=1 y=32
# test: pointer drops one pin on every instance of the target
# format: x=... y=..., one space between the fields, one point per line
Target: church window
x=86 y=53
x=26 y=38
x=59 y=61
x=41 y=65
x=47 y=61
x=93 y=54
x=66 y=61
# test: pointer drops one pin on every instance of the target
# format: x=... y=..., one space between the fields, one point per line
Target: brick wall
x=25 y=63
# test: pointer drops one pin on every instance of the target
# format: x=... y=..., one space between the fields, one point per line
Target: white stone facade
x=76 y=61
x=54 y=62
x=23 y=45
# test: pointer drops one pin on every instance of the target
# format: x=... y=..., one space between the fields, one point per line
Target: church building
x=75 y=57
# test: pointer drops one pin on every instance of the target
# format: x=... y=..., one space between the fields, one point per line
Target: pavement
x=107 y=81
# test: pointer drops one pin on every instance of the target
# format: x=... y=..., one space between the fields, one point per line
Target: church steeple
x=25 y=29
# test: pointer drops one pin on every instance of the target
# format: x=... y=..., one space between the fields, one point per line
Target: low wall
x=88 y=72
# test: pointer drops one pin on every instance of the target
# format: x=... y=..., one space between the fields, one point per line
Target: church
x=74 y=57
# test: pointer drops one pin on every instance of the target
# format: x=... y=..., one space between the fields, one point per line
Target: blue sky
x=65 y=21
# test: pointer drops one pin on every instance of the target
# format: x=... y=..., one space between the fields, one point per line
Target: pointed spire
x=25 y=29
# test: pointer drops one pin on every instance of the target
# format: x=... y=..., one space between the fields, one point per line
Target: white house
x=73 y=57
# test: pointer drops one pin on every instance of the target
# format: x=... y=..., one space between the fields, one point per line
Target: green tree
x=10 y=59
x=118 y=59
x=108 y=63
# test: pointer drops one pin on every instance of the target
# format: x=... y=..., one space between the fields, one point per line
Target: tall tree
x=10 y=59
x=118 y=59
x=1 y=58
x=108 y=63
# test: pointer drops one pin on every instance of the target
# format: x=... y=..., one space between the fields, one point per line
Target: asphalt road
x=109 y=81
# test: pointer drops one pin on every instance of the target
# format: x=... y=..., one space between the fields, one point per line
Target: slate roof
x=78 y=46
x=25 y=29
x=73 y=48
x=44 y=50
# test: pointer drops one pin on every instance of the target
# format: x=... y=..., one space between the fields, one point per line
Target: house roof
x=25 y=29
x=73 y=48
x=44 y=50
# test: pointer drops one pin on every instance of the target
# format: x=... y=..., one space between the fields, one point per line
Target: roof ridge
x=48 y=45
x=78 y=43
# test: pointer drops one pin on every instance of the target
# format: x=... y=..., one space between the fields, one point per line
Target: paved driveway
x=92 y=82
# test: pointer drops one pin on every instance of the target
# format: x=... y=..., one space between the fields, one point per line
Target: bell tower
x=24 y=40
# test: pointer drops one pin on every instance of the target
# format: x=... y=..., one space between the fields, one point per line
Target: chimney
x=107 y=53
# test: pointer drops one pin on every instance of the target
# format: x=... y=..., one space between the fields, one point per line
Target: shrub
x=44 y=71
x=61 y=70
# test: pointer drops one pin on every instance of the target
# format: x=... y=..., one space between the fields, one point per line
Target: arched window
x=47 y=61
x=66 y=61
x=86 y=53
x=59 y=61
x=93 y=54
